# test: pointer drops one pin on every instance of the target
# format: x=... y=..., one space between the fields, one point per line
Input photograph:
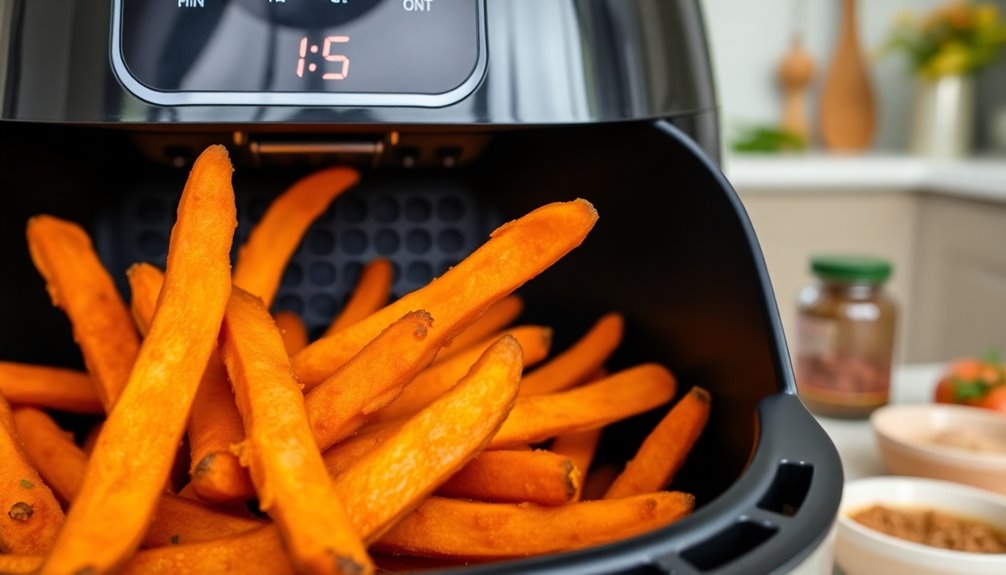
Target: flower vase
x=943 y=116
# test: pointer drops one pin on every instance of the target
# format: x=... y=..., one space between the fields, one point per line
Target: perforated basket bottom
x=423 y=225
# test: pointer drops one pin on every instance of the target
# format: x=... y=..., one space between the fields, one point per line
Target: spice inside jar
x=845 y=336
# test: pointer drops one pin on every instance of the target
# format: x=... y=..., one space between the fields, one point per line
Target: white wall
x=749 y=37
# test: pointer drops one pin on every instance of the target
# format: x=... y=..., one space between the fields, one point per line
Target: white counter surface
x=854 y=438
x=977 y=178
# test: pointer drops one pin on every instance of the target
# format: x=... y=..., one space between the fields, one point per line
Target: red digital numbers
x=327 y=54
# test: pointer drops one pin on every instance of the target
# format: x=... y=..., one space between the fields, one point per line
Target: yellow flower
x=951 y=59
x=986 y=15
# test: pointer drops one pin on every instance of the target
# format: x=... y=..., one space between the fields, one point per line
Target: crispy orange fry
x=293 y=331
x=389 y=481
x=632 y=391
x=578 y=447
x=49 y=387
x=214 y=425
x=79 y=284
x=19 y=564
x=471 y=412
x=62 y=464
x=182 y=520
x=515 y=253
x=664 y=450
x=255 y=552
x=373 y=378
x=341 y=457
x=214 y=421
x=579 y=361
x=264 y=256
x=52 y=451
x=539 y=476
x=31 y=515
x=285 y=463
x=432 y=382
x=145 y=281
x=371 y=294
x=489 y=324
x=454 y=528
x=136 y=449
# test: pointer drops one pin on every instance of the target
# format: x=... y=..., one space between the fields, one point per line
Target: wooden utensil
x=848 y=117
x=795 y=72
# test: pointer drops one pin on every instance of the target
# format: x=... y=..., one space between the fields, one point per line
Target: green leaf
x=26 y=484
x=768 y=139
x=966 y=390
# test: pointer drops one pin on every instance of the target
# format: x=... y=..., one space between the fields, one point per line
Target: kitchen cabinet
x=942 y=225
x=959 y=300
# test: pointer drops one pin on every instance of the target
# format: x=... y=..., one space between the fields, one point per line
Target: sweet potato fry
x=487 y=327
x=293 y=331
x=341 y=457
x=371 y=294
x=145 y=281
x=539 y=476
x=392 y=479
x=632 y=391
x=578 y=447
x=62 y=464
x=214 y=421
x=432 y=382
x=52 y=451
x=19 y=564
x=31 y=514
x=182 y=520
x=470 y=413
x=79 y=284
x=134 y=454
x=255 y=552
x=454 y=528
x=49 y=387
x=579 y=361
x=515 y=253
x=285 y=463
x=373 y=378
x=264 y=256
x=664 y=450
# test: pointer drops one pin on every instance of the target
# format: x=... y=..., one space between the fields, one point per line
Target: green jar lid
x=851 y=268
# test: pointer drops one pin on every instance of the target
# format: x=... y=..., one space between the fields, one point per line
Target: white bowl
x=860 y=550
x=905 y=433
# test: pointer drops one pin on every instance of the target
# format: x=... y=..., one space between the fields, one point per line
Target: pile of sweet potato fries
x=408 y=430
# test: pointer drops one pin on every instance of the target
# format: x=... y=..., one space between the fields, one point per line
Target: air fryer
x=106 y=102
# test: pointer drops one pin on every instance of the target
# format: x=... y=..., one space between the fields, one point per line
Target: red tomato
x=945 y=391
x=973 y=382
x=994 y=399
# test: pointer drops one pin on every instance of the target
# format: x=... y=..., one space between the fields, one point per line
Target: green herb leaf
x=966 y=390
x=992 y=356
x=175 y=539
x=26 y=484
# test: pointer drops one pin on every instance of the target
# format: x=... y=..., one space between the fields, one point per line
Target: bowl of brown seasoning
x=908 y=525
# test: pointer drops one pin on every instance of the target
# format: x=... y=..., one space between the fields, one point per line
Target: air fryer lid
x=435 y=62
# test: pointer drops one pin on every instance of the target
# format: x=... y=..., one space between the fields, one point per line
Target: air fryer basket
x=673 y=251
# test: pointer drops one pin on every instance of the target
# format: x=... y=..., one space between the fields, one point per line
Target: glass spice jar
x=845 y=337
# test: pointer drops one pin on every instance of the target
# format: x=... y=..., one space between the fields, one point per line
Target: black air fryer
x=461 y=114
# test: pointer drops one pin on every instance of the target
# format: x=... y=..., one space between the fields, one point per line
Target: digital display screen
x=397 y=47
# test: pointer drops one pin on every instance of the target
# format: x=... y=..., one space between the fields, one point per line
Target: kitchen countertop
x=854 y=438
x=977 y=178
